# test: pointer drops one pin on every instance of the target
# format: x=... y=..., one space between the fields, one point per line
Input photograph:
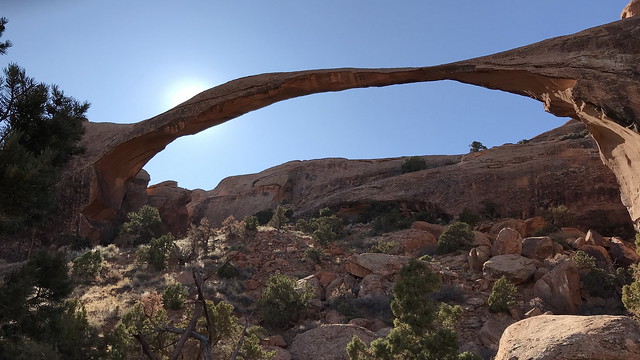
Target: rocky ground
x=353 y=286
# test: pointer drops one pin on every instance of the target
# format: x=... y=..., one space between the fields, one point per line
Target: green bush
x=503 y=296
x=324 y=229
x=558 y=217
x=384 y=247
x=476 y=146
x=264 y=216
x=313 y=254
x=422 y=328
x=174 y=296
x=279 y=217
x=251 y=223
x=157 y=252
x=631 y=297
x=469 y=217
x=456 y=235
x=144 y=224
x=282 y=300
x=414 y=163
x=88 y=265
x=584 y=260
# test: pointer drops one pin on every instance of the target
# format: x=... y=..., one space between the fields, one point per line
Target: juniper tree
x=40 y=130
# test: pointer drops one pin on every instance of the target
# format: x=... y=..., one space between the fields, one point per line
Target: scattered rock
x=325 y=277
x=375 y=285
x=534 y=225
x=361 y=265
x=517 y=269
x=315 y=284
x=328 y=342
x=275 y=340
x=539 y=248
x=622 y=253
x=481 y=239
x=281 y=354
x=550 y=337
x=560 y=288
x=508 y=241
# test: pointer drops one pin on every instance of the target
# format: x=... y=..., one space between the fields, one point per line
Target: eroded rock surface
x=549 y=337
x=591 y=76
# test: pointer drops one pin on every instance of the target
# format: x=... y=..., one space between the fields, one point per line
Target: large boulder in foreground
x=327 y=342
x=567 y=337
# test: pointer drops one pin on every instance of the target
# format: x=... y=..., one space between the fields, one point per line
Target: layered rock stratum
x=591 y=76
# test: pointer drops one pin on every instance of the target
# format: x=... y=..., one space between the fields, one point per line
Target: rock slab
x=566 y=337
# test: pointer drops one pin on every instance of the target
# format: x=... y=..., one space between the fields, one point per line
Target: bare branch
x=187 y=332
x=145 y=347
x=239 y=345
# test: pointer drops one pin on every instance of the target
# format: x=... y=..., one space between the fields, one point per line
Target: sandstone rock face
x=538 y=248
x=327 y=342
x=593 y=238
x=550 y=337
x=560 y=288
x=508 y=241
x=517 y=269
x=171 y=202
x=591 y=76
x=632 y=9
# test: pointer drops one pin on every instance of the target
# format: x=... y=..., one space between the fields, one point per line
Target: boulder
x=516 y=268
x=375 y=285
x=534 y=225
x=480 y=239
x=478 y=256
x=518 y=225
x=325 y=277
x=560 y=288
x=281 y=354
x=508 y=241
x=593 y=238
x=315 y=284
x=566 y=337
x=414 y=242
x=328 y=342
x=435 y=229
x=361 y=265
x=492 y=329
x=622 y=253
x=539 y=248
x=599 y=253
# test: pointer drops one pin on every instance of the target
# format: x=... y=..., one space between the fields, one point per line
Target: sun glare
x=183 y=91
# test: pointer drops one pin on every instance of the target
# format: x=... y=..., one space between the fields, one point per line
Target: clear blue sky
x=132 y=59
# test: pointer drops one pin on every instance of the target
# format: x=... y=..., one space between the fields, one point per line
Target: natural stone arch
x=591 y=76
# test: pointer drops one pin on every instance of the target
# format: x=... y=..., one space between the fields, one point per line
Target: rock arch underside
x=592 y=76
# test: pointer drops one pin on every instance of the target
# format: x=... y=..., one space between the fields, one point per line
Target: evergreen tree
x=40 y=129
x=7 y=44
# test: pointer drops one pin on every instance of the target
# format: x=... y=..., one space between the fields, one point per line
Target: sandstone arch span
x=592 y=76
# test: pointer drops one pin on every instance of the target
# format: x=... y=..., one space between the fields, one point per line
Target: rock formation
x=591 y=76
x=549 y=337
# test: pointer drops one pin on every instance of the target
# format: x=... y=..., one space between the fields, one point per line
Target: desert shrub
x=476 y=146
x=490 y=210
x=384 y=247
x=89 y=265
x=313 y=254
x=584 y=260
x=143 y=225
x=449 y=293
x=414 y=163
x=156 y=253
x=574 y=136
x=227 y=271
x=232 y=228
x=174 y=296
x=599 y=282
x=282 y=300
x=279 y=217
x=422 y=328
x=251 y=223
x=199 y=236
x=38 y=318
x=469 y=217
x=456 y=235
x=558 y=217
x=264 y=216
x=631 y=297
x=324 y=229
x=503 y=295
